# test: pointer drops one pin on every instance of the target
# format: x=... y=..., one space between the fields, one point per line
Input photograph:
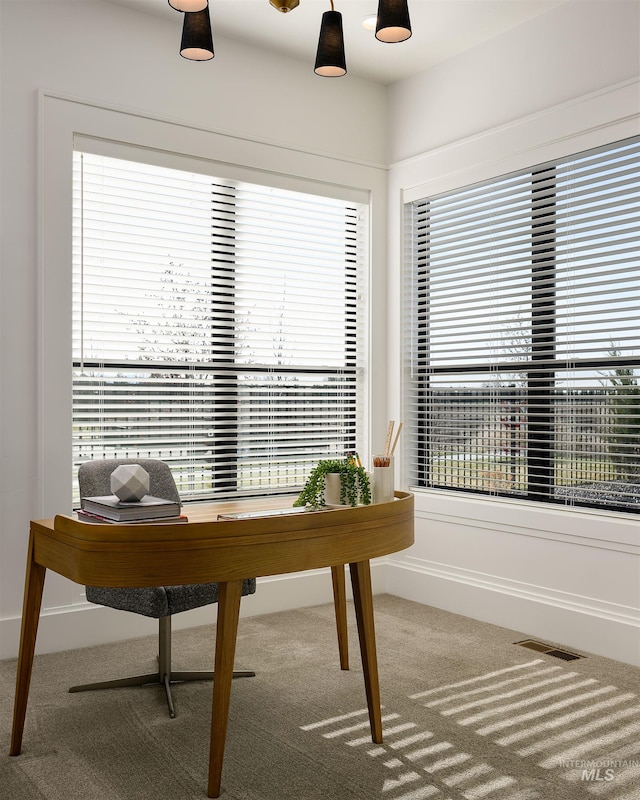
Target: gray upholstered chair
x=160 y=602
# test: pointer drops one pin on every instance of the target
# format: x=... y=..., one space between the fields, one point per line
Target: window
x=218 y=325
x=523 y=353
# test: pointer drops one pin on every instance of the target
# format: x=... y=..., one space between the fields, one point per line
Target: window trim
x=61 y=118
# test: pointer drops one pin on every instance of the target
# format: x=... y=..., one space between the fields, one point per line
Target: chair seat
x=161 y=601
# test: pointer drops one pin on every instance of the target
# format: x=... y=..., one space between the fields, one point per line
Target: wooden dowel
x=395 y=441
x=387 y=443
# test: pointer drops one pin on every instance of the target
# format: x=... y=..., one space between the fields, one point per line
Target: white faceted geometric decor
x=130 y=482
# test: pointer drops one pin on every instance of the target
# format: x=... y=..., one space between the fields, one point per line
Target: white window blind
x=217 y=325
x=523 y=352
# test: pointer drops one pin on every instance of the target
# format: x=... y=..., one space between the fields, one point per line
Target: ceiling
x=441 y=29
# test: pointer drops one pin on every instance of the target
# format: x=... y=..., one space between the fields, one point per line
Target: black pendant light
x=188 y=5
x=330 y=58
x=197 y=39
x=393 y=23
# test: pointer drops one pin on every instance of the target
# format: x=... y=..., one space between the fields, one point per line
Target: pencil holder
x=382 y=479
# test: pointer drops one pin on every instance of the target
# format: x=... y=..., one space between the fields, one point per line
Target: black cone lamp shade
x=197 y=39
x=188 y=5
x=330 y=58
x=393 y=21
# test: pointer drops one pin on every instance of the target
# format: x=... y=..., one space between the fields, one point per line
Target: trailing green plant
x=354 y=484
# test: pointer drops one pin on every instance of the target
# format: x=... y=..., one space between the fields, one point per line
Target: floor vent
x=548 y=650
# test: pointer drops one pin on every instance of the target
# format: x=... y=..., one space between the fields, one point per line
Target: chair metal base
x=164 y=676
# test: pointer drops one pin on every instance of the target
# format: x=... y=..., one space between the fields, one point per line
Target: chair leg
x=164 y=676
x=167 y=692
x=168 y=676
x=137 y=680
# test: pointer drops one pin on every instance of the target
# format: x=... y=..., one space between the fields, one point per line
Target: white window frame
x=530 y=467
x=305 y=253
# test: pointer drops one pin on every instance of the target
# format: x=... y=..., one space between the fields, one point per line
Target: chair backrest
x=94 y=477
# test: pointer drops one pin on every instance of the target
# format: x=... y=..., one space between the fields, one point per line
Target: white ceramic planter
x=332 y=489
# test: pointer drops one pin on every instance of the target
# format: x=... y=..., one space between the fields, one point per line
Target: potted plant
x=353 y=481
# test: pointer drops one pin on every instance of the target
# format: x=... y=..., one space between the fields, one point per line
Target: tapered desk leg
x=34 y=583
x=340 y=606
x=226 y=632
x=363 y=602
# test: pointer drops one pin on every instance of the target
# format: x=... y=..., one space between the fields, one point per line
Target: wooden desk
x=207 y=549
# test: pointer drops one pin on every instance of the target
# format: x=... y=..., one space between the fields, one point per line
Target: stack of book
x=109 y=509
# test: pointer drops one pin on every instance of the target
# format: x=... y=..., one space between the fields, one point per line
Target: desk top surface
x=211 y=549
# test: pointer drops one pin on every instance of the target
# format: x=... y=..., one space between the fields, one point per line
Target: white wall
x=572 y=50
x=562 y=83
x=67 y=64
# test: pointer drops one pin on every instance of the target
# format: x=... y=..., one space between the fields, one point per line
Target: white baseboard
x=85 y=624
x=578 y=623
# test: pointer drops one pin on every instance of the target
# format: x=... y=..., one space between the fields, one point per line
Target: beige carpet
x=467 y=714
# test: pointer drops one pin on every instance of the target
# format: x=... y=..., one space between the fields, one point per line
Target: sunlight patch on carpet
x=571 y=728
x=423 y=764
x=582 y=731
